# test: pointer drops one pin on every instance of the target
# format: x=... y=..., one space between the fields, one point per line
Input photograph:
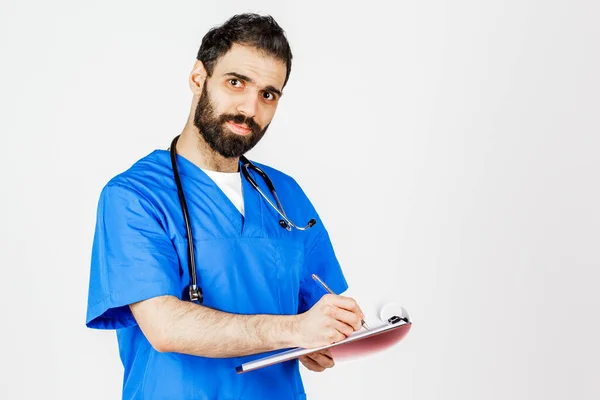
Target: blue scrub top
x=245 y=265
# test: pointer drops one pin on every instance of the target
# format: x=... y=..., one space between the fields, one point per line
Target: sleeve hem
x=100 y=316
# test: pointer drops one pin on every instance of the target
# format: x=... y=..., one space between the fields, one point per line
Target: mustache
x=240 y=119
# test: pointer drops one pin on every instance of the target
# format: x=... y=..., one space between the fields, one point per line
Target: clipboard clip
x=395 y=319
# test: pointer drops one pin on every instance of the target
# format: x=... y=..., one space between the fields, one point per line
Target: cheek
x=265 y=115
x=220 y=102
x=220 y=106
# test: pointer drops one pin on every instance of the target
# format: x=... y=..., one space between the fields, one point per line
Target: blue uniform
x=245 y=264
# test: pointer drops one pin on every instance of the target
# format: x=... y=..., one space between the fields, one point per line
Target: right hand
x=331 y=319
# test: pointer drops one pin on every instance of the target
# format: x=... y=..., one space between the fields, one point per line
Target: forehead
x=262 y=68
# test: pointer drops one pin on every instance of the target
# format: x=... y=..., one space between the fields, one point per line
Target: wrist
x=289 y=331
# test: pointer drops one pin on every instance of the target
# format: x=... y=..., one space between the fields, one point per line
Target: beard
x=214 y=132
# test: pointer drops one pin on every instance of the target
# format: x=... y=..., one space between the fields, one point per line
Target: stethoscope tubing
x=195 y=292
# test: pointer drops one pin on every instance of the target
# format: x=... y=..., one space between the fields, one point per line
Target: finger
x=322 y=360
x=344 y=329
x=335 y=332
x=347 y=303
x=311 y=364
x=346 y=317
x=327 y=353
x=360 y=312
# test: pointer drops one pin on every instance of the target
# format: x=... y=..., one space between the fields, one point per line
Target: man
x=255 y=275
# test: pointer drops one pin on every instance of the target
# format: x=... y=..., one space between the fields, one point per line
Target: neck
x=192 y=146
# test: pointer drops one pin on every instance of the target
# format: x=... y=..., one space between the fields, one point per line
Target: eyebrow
x=249 y=80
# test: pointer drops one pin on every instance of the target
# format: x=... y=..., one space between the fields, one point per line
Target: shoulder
x=146 y=171
x=278 y=177
x=285 y=184
x=146 y=183
x=289 y=190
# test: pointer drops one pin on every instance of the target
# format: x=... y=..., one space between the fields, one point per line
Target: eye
x=269 y=96
x=235 y=82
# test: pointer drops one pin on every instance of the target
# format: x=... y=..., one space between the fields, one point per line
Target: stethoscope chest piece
x=285 y=225
x=195 y=294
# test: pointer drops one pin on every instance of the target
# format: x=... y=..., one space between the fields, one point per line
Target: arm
x=131 y=247
x=172 y=325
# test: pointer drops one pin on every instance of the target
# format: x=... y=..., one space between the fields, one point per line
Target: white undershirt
x=230 y=183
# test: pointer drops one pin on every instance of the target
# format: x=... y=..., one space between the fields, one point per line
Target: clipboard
x=358 y=343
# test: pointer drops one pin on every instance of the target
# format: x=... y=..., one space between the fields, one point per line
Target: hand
x=318 y=361
x=331 y=319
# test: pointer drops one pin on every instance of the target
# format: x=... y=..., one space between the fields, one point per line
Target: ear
x=197 y=78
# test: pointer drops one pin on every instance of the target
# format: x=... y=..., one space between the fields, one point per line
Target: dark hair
x=261 y=32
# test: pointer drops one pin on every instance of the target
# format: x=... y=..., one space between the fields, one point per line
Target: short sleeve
x=320 y=259
x=133 y=258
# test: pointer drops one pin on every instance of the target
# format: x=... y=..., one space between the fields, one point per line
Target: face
x=238 y=101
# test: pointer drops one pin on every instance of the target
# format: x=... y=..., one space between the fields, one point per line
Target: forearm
x=184 y=327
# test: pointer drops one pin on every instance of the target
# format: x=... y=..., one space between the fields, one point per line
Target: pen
x=316 y=278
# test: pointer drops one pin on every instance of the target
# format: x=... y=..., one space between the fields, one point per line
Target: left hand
x=318 y=361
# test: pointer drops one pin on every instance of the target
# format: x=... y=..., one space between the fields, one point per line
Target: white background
x=450 y=147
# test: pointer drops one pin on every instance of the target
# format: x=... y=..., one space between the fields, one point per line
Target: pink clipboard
x=358 y=344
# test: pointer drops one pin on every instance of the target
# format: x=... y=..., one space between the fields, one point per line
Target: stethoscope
x=195 y=292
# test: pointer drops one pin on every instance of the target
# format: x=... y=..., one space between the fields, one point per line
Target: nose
x=248 y=105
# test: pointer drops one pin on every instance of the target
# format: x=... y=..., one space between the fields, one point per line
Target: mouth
x=239 y=129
